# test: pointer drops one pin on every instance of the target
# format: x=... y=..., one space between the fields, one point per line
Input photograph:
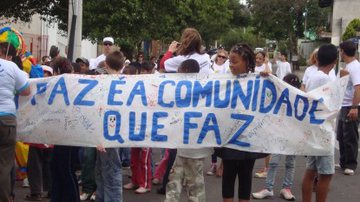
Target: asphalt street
x=343 y=188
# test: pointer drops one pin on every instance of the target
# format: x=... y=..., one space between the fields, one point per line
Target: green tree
x=131 y=21
x=240 y=14
x=237 y=35
x=24 y=9
x=352 y=29
x=285 y=19
x=278 y=19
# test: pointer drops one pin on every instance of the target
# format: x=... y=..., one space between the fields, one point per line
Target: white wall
x=51 y=31
x=344 y=11
x=88 y=49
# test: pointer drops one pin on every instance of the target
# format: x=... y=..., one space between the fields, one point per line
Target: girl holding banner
x=239 y=163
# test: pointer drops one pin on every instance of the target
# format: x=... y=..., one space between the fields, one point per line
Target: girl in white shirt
x=262 y=63
x=221 y=62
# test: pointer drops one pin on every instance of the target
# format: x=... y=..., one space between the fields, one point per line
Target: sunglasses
x=221 y=56
x=107 y=44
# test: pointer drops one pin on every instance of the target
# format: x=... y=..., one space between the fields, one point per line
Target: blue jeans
x=108 y=176
x=125 y=156
x=289 y=171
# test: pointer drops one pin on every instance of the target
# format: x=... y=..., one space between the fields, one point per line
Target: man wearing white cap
x=108 y=42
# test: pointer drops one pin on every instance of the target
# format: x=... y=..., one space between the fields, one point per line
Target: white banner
x=249 y=113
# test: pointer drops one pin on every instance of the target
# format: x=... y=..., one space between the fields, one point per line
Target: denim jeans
x=289 y=171
x=108 y=176
x=88 y=170
x=125 y=156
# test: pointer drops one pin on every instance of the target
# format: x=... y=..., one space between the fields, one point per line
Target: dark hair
x=76 y=66
x=348 y=47
x=189 y=66
x=246 y=53
x=190 y=42
x=54 y=51
x=283 y=52
x=43 y=58
x=293 y=80
x=17 y=60
x=115 y=60
x=326 y=55
x=140 y=54
x=130 y=70
x=61 y=65
x=146 y=66
x=8 y=49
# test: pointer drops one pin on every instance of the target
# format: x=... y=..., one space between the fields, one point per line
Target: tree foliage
x=285 y=19
x=237 y=35
x=131 y=21
x=352 y=29
x=24 y=9
x=240 y=14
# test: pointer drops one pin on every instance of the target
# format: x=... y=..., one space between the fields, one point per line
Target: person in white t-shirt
x=221 y=62
x=283 y=67
x=188 y=48
x=313 y=68
x=348 y=120
x=107 y=45
x=262 y=62
x=322 y=167
x=12 y=81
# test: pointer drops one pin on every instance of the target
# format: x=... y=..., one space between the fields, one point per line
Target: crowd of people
x=51 y=168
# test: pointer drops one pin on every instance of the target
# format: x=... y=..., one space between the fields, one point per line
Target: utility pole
x=74 y=29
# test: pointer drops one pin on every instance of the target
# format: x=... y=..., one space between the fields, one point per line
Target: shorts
x=324 y=165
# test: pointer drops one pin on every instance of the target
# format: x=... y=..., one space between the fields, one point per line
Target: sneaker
x=25 y=183
x=156 y=181
x=93 y=197
x=130 y=186
x=261 y=174
x=84 y=196
x=348 y=171
x=287 y=195
x=141 y=190
x=338 y=166
x=212 y=170
x=265 y=193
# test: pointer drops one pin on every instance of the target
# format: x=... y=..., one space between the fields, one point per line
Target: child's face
x=259 y=59
x=83 y=67
x=237 y=64
x=282 y=57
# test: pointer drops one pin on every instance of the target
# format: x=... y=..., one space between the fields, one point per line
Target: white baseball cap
x=47 y=69
x=108 y=39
